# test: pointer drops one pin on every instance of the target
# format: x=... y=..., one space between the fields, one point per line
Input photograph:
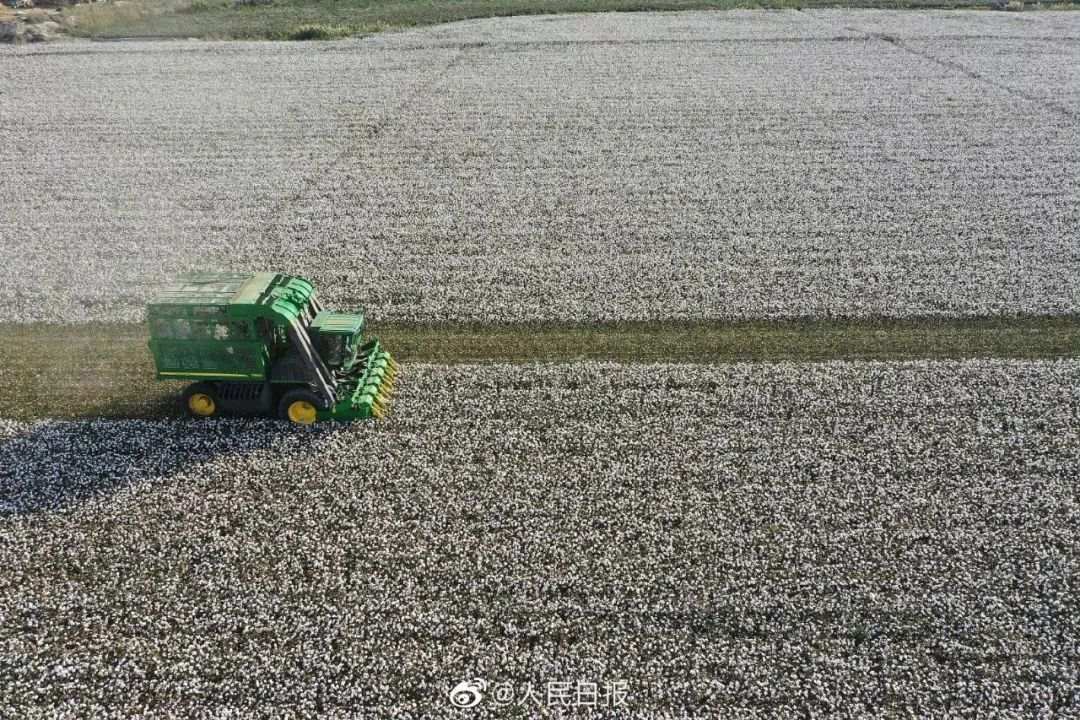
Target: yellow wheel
x=200 y=400
x=302 y=412
x=299 y=406
x=201 y=404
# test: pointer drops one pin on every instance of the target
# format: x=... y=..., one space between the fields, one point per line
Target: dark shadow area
x=55 y=465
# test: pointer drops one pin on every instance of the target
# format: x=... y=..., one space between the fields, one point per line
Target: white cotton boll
x=790 y=537
x=636 y=167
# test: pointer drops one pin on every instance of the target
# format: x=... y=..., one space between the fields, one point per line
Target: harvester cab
x=256 y=343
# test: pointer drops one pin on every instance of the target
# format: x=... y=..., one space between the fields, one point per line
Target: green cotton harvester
x=256 y=343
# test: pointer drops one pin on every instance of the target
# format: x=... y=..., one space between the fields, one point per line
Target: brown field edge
x=105 y=370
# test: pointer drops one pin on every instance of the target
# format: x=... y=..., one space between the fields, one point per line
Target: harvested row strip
x=769 y=538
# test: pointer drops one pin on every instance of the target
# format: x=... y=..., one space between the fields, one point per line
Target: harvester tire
x=201 y=400
x=298 y=407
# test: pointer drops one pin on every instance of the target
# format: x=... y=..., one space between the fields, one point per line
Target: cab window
x=333 y=349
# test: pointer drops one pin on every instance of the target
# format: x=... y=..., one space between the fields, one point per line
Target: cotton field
x=638 y=540
x=769 y=539
x=649 y=166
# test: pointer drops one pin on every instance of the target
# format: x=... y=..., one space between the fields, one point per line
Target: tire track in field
x=964 y=70
x=283 y=225
x=902 y=42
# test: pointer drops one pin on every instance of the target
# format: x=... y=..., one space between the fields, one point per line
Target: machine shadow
x=57 y=465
